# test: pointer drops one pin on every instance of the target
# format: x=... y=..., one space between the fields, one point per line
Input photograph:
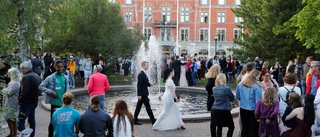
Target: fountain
x=152 y=54
x=193 y=99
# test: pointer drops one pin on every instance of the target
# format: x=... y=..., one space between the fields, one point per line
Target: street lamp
x=215 y=43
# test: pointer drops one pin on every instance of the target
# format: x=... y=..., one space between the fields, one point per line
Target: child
x=70 y=76
x=266 y=112
x=294 y=102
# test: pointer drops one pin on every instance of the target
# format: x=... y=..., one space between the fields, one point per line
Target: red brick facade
x=192 y=41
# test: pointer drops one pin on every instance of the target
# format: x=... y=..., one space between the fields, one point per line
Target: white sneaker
x=73 y=87
x=4 y=126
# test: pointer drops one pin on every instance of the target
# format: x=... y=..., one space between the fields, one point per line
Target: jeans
x=102 y=98
x=72 y=82
x=303 y=87
x=194 y=78
x=27 y=111
x=229 y=76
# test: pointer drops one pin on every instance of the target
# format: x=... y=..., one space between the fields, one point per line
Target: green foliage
x=265 y=35
x=307 y=25
x=90 y=27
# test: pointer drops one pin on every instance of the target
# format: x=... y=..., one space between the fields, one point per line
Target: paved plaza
x=193 y=128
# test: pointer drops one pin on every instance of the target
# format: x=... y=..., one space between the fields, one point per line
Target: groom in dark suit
x=176 y=66
x=142 y=87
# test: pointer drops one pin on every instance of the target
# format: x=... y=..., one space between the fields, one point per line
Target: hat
x=71 y=57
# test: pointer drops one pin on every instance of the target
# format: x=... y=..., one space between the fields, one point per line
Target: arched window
x=203 y=52
x=148 y=14
x=166 y=14
x=184 y=14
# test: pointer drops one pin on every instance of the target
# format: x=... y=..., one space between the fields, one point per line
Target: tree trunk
x=23 y=27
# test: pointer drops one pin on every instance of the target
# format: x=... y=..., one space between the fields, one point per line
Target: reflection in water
x=191 y=103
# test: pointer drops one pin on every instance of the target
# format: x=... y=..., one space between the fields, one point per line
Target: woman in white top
x=170 y=117
x=122 y=120
x=290 y=85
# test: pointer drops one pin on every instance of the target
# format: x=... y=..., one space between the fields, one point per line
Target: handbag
x=174 y=99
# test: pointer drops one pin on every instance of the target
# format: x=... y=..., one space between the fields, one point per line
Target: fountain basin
x=202 y=116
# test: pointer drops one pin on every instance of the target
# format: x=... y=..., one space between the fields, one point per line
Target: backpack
x=288 y=93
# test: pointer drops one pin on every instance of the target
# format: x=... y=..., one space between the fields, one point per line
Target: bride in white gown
x=170 y=117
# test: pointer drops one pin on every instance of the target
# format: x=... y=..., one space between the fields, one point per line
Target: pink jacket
x=98 y=84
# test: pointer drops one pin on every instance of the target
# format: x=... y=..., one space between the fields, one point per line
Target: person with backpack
x=283 y=93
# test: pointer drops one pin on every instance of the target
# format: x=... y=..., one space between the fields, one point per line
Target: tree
x=20 y=24
x=306 y=24
x=265 y=33
x=90 y=27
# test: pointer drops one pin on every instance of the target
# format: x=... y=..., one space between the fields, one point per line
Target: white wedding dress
x=170 y=117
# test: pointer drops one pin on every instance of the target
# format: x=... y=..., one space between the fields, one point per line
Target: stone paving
x=193 y=128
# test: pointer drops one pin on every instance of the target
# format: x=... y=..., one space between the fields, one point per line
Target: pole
x=209 y=31
x=177 y=30
x=143 y=14
x=215 y=46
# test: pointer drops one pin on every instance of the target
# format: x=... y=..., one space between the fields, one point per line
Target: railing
x=170 y=24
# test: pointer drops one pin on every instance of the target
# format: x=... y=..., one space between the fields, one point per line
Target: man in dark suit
x=142 y=87
x=36 y=64
x=176 y=66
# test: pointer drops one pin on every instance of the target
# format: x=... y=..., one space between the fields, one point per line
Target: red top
x=98 y=84
x=189 y=64
x=309 y=81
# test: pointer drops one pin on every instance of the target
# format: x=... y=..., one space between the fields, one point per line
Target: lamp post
x=215 y=43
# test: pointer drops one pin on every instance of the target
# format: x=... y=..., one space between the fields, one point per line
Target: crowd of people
x=23 y=87
x=273 y=100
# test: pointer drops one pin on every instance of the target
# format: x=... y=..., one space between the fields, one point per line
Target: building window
x=128 y=16
x=204 y=17
x=221 y=2
x=237 y=2
x=184 y=14
x=221 y=34
x=147 y=33
x=221 y=17
x=237 y=33
x=237 y=19
x=184 y=34
x=203 y=34
x=112 y=1
x=166 y=14
x=204 y=2
x=203 y=52
x=128 y=1
x=165 y=34
x=148 y=14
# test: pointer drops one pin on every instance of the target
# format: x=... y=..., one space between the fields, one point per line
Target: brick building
x=196 y=26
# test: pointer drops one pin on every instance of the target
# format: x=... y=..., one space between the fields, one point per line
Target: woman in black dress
x=211 y=76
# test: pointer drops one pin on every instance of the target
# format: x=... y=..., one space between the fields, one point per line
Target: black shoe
x=137 y=123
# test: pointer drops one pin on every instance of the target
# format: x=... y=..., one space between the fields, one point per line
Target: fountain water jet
x=152 y=54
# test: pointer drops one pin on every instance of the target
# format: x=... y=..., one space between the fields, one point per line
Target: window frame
x=184 y=14
x=128 y=16
x=183 y=35
x=147 y=35
x=204 y=16
x=148 y=14
x=205 y=35
x=223 y=36
x=166 y=12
